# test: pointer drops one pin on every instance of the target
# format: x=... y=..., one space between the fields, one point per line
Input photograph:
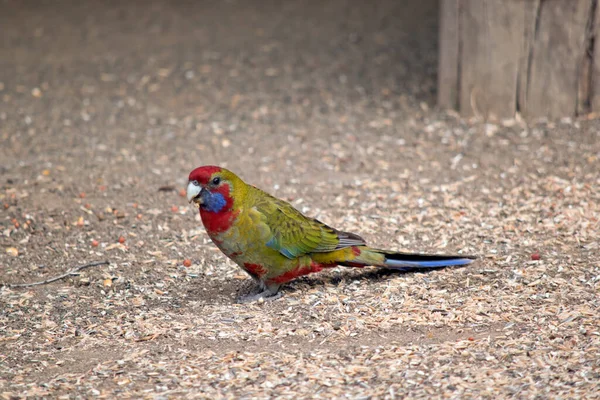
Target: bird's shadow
x=339 y=278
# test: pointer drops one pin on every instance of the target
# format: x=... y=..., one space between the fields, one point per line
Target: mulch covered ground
x=104 y=110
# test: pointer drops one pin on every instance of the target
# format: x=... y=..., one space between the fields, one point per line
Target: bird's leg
x=267 y=293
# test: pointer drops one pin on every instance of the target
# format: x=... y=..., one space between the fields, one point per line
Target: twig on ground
x=72 y=272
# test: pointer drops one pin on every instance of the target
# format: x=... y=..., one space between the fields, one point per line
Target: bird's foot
x=265 y=295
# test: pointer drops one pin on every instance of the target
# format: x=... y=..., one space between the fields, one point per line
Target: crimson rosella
x=275 y=243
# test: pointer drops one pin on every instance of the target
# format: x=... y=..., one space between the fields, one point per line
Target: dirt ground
x=105 y=107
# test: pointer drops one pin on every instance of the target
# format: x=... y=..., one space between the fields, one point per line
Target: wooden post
x=448 y=42
x=595 y=65
x=535 y=57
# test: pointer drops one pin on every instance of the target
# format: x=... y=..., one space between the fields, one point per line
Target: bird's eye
x=195 y=183
x=216 y=181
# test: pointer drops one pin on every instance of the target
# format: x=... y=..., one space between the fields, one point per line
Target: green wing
x=293 y=234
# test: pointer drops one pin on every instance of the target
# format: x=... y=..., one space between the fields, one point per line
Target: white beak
x=193 y=190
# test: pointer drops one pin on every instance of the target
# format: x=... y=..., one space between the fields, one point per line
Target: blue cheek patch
x=214 y=202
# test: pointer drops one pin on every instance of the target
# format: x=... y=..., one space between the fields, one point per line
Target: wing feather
x=293 y=234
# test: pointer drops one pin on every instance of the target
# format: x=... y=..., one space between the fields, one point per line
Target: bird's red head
x=203 y=175
x=216 y=191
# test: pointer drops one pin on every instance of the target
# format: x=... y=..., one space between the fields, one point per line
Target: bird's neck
x=219 y=211
x=217 y=222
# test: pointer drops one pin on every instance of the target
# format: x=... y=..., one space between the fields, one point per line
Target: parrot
x=275 y=243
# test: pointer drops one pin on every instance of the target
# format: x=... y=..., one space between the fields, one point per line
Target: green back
x=292 y=233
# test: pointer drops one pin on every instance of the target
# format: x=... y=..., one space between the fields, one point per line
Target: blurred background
x=106 y=106
x=184 y=80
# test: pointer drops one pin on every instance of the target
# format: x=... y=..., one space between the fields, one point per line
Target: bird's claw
x=265 y=295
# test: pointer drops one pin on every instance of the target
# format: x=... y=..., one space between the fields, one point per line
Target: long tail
x=364 y=255
x=411 y=260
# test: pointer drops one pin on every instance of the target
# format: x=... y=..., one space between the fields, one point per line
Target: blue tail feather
x=427 y=263
x=414 y=261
